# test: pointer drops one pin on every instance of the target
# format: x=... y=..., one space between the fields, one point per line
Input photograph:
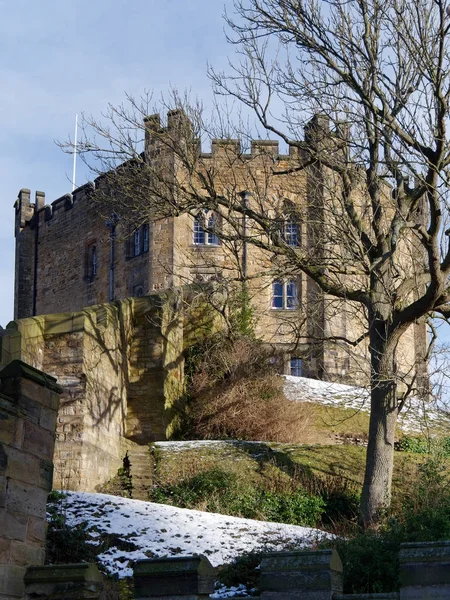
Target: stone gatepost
x=183 y=577
x=81 y=581
x=301 y=575
x=29 y=402
x=425 y=571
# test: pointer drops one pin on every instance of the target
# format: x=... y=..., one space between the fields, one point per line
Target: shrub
x=419 y=445
x=242 y=570
x=370 y=558
x=191 y=492
x=423 y=445
x=224 y=492
x=68 y=544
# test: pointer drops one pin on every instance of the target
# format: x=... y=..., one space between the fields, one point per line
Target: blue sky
x=61 y=58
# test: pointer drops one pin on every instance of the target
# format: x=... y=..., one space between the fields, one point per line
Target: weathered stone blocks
x=69 y=582
x=183 y=577
x=425 y=571
x=28 y=406
x=301 y=575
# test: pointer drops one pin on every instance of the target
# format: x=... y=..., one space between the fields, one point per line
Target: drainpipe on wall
x=111 y=224
x=245 y=196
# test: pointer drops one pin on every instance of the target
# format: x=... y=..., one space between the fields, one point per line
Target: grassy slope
x=255 y=461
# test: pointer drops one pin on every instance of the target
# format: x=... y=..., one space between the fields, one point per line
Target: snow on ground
x=414 y=416
x=161 y=530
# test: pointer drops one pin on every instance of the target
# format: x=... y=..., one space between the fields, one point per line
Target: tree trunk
x=376 y=492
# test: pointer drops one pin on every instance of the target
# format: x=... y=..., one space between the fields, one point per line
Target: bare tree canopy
x=372 y=81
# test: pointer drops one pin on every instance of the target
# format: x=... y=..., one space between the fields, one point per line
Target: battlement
x=34 y=213
x=316 y=131
x=178 y=126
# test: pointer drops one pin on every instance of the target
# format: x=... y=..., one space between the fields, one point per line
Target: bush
x=242 y=570
x=419 y=445
x=198 y=489
x=370 y=558
x=423 y=445
x=69 y=545
x=235 y=393
x=224 y=492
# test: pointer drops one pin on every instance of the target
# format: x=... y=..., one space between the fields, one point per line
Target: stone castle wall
x=120 y=367
x=54 y=245
x=28 y=411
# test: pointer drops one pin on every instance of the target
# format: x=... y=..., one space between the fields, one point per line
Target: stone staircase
x=141 y=469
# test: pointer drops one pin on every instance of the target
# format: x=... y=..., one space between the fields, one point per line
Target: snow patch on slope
x=161 y=530
x=413 y=417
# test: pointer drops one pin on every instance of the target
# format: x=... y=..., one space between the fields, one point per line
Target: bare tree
x=379 y=71
x=374 y=165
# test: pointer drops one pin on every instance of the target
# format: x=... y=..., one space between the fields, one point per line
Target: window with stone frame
x=91 y=260
x=145 y=237
x=139 y=241
x=206 y=228
x=296 y=366
x=285 y=294
x=291 y=233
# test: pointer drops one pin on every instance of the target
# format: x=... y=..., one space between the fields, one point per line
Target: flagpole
x=75 y=153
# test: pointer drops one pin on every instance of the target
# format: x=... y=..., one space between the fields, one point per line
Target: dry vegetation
x=236 y=393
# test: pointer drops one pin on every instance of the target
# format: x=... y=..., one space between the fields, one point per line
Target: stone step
x=141 y=467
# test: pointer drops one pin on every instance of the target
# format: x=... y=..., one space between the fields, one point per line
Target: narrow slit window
x=146 y=237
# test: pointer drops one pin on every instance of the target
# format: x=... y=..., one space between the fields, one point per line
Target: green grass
x=260 y=463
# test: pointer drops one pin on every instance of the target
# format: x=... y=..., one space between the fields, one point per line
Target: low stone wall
x=300 y=575
x=29 y=402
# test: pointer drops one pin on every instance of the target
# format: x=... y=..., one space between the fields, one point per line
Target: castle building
x=70 y=254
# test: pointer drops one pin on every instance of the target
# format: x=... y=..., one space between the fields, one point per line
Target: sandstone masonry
x=120 y=367
x=63 y=256
x=28 y=411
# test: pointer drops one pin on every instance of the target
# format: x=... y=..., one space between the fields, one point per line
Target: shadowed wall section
x=120 y=366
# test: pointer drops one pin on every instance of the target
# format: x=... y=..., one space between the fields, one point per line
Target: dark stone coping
x=380 y=596
x=301 y=560
x=63 y=573
x=18 y=368
x=174 y=566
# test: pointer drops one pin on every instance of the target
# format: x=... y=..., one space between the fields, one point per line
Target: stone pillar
x=68 y=582
x=301 y=575
x=425 y=571
x=29 y=402
x=25 y=255
x=183 y=577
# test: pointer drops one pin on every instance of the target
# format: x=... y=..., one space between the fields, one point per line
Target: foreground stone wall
x=28 y=409
x=120 y=366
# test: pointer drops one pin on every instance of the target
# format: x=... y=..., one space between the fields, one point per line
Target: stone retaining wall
x=120 y=366
x=28 y=409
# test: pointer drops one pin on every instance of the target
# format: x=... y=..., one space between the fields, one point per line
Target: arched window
x=205 y=230
x=91 y=260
